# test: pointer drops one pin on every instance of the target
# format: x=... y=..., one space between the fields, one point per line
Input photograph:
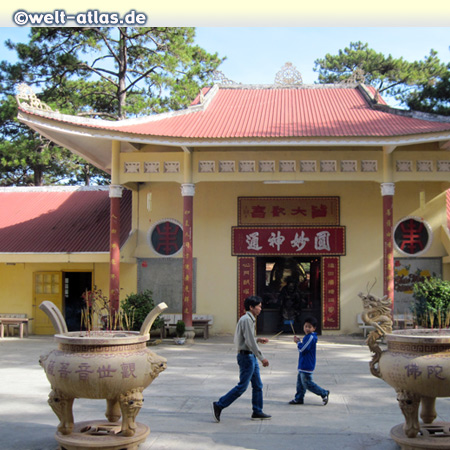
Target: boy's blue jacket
x=307 y=353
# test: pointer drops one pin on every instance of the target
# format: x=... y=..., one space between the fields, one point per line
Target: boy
x=307 y=363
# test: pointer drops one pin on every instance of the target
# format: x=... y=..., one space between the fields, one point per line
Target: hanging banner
x=288 y=211
x=330 y=293
x=187 y=259
x=246 y=282
x=288 y=241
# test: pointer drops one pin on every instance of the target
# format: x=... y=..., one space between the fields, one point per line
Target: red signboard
x=246 y=282
x=288 y=241
x=330 y=293
x=291 y=211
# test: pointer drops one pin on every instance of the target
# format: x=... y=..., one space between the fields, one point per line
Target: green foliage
x=180 y=328
x=432 y=302
x=432 y=97
x=136 y=308
x=125 y=71
x=392 y=76
x=105 y=72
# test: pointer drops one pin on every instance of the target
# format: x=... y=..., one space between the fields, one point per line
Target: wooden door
x=47 y=286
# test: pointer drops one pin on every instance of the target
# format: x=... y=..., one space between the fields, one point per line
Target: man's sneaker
x=216 y=410
x=296 y=402
x=325 y=398
x=260 y=416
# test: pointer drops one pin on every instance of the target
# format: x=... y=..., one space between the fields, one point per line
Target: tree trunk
x=87 y=174
x=38 y=175
x=122 y=72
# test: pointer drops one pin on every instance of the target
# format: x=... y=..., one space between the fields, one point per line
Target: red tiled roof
x=50 y=221
x=268 y=112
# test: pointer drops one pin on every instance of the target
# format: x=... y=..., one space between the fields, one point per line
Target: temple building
x=302 y=194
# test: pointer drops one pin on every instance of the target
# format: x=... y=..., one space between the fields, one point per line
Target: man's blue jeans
x=248 y=372
x=305 y=382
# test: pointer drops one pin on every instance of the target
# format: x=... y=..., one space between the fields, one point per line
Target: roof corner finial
x=357 y=76
x=26 y=97
x=288 y=75
x=376 y=97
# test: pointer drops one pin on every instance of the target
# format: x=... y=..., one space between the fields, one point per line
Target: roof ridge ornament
x=220 y=78
x=29 y=98
x=288 y=75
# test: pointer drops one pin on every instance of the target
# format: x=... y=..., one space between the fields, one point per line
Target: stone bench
x=200 y=321
x=19 y=321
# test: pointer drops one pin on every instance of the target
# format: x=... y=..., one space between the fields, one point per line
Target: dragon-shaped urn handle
x=376 y=313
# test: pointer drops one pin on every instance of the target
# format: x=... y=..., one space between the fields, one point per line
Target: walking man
x=247 y=359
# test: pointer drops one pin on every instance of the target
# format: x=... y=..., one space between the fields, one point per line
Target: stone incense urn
x=416 y=364
x=112 y=365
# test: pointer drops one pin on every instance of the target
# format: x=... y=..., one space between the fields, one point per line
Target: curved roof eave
x=94 y=144
x=80 y=131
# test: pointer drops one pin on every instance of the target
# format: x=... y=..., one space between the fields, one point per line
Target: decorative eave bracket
x=27 y=99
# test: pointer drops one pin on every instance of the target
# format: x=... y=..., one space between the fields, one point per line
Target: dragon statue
x=377 y=313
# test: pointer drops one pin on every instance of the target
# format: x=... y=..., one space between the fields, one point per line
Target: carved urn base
x=417 y=365
x=103 y=435
x=114 y=366
x=434 y=436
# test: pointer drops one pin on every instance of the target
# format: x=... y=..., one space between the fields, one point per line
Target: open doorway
x=75 y=284
x=291 y=291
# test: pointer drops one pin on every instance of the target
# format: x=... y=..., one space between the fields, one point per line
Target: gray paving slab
x=361 y=411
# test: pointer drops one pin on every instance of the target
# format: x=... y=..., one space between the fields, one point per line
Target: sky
x=255 y=54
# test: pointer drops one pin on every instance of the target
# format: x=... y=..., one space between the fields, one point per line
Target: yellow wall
x=166 y=202
x=17 y=297
x=215 y=212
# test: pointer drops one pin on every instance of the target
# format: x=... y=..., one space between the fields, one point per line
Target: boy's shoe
x=260 y=416
x=296 y=402
x=216 y=410
x=325 y=398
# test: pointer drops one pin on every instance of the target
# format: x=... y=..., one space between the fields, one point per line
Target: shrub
x=180 y=329
x=432 y=303
x=136 y=308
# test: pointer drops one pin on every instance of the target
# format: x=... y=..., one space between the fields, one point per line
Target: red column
x=115 y=194
x=448 y=209
x=187 y=191
x=387 y=191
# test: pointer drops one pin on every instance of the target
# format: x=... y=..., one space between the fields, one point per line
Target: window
x=412 y=236
x=166 y=237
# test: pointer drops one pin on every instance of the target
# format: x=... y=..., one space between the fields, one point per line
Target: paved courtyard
x=361 y=411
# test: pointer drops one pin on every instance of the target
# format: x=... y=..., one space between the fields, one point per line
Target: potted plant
x=180 y=329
